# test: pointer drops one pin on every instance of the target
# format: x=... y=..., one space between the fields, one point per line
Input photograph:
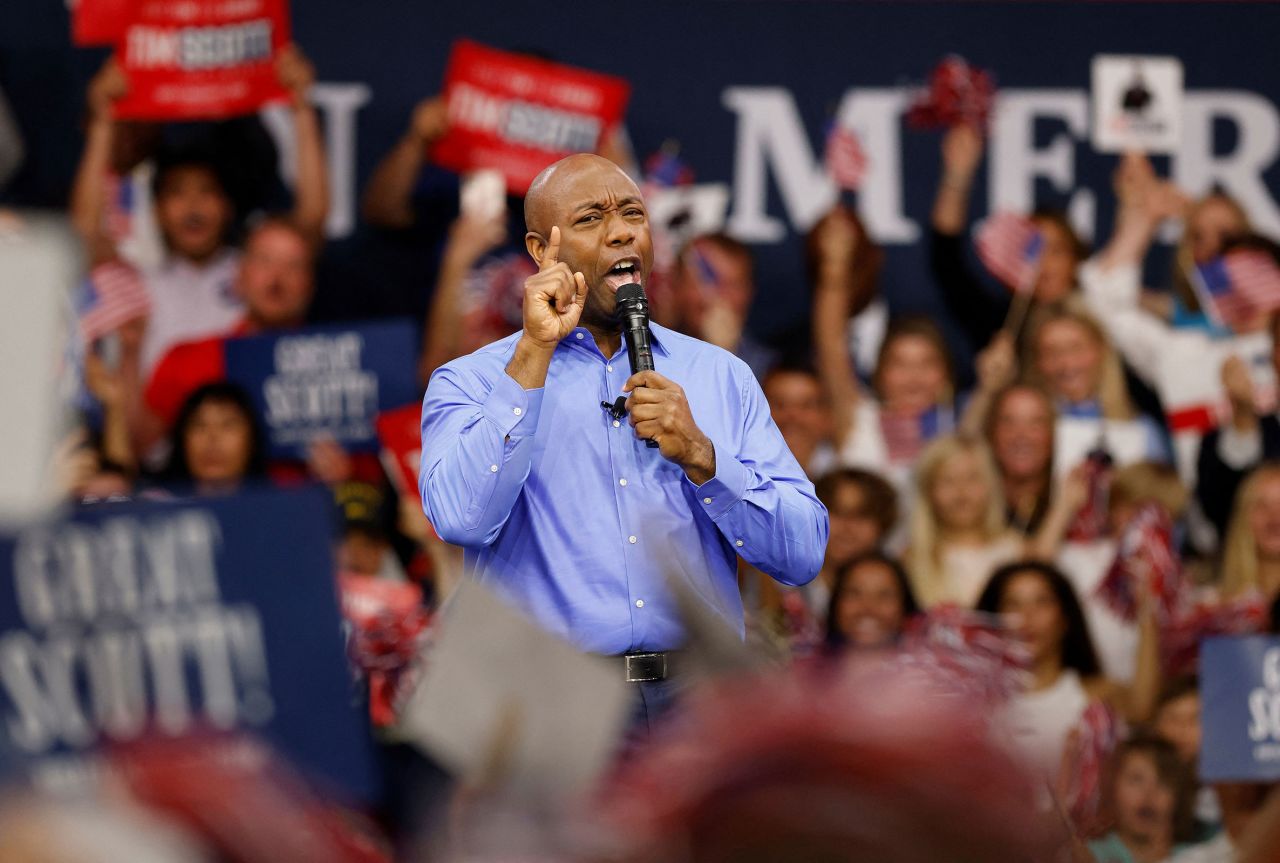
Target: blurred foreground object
x=867 y=765
x=39 y=265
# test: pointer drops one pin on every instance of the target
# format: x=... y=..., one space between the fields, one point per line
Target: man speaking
x=563 y=505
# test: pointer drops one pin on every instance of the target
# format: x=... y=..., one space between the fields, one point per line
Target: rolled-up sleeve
x=761 y=500
x=476 y=443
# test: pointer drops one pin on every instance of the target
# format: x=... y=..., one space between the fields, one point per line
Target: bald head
x=545 y=202
x=603 y=230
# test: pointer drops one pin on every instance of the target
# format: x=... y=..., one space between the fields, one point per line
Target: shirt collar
x=656 y=334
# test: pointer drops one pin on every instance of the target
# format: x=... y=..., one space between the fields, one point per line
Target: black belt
x=646 y=667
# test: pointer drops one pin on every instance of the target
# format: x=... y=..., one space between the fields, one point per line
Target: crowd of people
x=1009 y=506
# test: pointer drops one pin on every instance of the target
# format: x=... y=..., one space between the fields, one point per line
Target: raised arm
x=311 y=192
x=1143 y=202
x=469 y=240
x=997 y=367
x=837 y=240
x=968 y=302
x=388 y=195
x=88 y=190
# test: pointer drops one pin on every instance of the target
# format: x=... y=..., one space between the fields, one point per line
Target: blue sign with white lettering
x=326 y=381
x=175 y=618
x=1240 y=709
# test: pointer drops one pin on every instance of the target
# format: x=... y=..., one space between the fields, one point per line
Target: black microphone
x=633 y=314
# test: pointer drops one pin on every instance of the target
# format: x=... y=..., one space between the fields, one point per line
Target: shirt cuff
x=1237 y=449
x=512 y=408
x=719 y=494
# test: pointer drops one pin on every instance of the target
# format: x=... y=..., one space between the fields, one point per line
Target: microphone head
x=630 y=293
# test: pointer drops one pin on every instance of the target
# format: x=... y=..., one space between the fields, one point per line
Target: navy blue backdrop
x=681 y=57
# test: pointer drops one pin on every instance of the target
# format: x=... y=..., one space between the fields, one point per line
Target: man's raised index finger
x=551 y=256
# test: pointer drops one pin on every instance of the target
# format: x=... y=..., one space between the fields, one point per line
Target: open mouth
x=624 y=272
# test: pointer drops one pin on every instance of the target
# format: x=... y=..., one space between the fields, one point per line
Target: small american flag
x=844 y=158
x=114 y=295
x=1010 y=247
x=665 y=169
x=120 y=206
x=1240 y=285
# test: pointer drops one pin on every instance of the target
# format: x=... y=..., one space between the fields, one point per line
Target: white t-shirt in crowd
x=1182 y=364
x=1085 y=564
x=1037 y=723
x=968 y=568
x=190 y=302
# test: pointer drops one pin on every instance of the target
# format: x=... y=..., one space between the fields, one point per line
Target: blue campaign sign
x=326 y=381
x=1240 y=709
x=169 y=618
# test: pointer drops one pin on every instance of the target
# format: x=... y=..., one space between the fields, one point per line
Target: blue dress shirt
x=564 y=512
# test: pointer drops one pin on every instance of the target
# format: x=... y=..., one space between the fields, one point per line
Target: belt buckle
x=645 y=667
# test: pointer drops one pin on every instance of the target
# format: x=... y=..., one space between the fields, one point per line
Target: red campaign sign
x=517 y=114
x=202 y=59
x=100 y=22
x=400 y=432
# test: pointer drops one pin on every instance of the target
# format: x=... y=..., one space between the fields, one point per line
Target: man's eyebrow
x=604 y=205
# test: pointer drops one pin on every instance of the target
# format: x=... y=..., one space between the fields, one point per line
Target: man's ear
x=536 y=246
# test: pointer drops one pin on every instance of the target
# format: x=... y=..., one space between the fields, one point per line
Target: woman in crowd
x=912 y=404
x=958 y=530
x=1019 y=430
x=1065 y=675
x=871 y=603
x=1251 y=550
x=1146 y=796
x=1209 y=224
x=218 y=443
x=1070 y=356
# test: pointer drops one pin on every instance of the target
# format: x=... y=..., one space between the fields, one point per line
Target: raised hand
x=658 y=410
x=961 y=152
x=997 y=364
x=1238 y=384
x=553 y=297
x=107 y=87
x=430 y=119
x=295 y=73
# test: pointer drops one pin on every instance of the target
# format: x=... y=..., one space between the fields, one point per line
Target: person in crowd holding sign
x=563 y=509
x=1146 y=796
x=191 y=291
x=274 y=278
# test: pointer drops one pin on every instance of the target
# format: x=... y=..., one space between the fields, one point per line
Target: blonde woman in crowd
x=958 y=530
x=1072 y=359
x=1251 y=550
